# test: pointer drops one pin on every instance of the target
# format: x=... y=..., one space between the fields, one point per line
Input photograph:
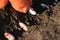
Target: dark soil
x=43 y=26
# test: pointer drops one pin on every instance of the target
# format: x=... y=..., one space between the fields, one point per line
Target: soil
x=45 y=25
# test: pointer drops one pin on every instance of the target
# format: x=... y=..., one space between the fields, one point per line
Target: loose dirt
x=43 y=26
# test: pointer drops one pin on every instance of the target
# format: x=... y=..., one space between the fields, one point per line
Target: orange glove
x=21 y=5
x=3 y=3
